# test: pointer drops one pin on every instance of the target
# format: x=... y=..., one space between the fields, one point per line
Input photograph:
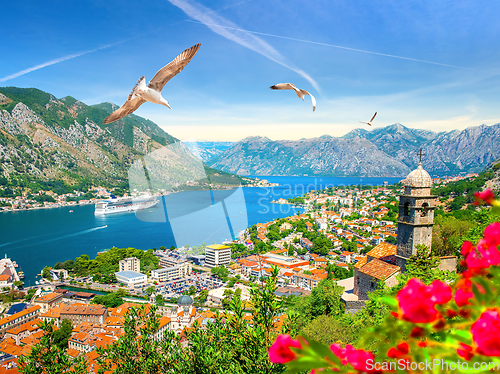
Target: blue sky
x=448 y=78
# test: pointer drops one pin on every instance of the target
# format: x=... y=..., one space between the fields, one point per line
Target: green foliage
x=46 y=357
x=106 y=264
x=220 y=271
x=324 y=300
x=160 y=301
x=61 y=336
x=110 y=300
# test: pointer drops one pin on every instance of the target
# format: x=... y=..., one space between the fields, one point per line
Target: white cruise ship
x=124 y=204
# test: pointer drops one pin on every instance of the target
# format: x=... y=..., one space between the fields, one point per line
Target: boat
x=124 y=204
x=20 y=274
x=71 y=211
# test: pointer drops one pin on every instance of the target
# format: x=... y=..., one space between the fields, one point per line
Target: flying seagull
x=300 y=93
x=370 y=123
x=152 y=91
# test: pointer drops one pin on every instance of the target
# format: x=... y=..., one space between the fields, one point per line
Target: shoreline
x=56 y=205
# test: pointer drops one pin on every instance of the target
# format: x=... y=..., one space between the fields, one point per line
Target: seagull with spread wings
x=152 y=91
x=300 y=93
x=370 y=123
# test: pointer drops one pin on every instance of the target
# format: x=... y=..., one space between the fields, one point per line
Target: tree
x=150 y=290
x=160 y=301
x=111 y=300
x=220 y=271
x=192 y=290
x=46 y=357
x=62 y=335
x=46 y=272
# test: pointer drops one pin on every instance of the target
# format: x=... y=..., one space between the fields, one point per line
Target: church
x=386 y=261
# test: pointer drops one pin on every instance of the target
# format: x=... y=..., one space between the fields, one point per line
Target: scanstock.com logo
x=203 y=213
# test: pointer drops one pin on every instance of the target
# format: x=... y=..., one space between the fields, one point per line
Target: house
x=346 y=257
x=48 y=301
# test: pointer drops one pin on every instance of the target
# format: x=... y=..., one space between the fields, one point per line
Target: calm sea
x=39 y=238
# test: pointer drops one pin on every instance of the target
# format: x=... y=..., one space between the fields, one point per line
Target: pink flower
x=356 y=357
x=492 y=234
x=483 y=256
x=486 y=333
x=487 y=196
x=280 y=352
x=465 y=351
x=466 y=248
x=462 y=297
x=417 y=301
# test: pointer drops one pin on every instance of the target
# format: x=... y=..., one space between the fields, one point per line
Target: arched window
x=406 y=211
x=425 y=209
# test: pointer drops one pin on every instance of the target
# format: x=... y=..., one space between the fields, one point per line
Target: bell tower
x=416 y=214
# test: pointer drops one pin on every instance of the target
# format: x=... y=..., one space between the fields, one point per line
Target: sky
x=429 y=64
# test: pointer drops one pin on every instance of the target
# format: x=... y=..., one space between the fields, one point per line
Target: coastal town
x=349 y=234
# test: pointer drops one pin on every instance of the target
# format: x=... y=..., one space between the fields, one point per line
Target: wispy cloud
x=337 y=46
x=56 y=61
x=229 y=30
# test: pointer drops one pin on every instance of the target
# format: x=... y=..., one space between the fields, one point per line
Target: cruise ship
x=124 y=204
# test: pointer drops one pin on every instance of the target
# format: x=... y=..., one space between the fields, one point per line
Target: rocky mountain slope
x=45 y=138
x=388 y=151
x=207 y=150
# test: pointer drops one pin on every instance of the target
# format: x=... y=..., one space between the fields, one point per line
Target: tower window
x=425 y=209
x=406 y=211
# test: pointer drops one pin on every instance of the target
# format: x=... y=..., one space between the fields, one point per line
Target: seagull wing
x=312 y=98
x=373 y=117
x=169 y=71
x=127 y=108
x=283 y=86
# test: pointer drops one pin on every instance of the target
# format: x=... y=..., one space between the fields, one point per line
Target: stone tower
x=416 y=215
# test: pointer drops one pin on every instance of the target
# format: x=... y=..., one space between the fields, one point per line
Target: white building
x=131 y=278
x=171 y=272
x=130 y=264
x=217 y=255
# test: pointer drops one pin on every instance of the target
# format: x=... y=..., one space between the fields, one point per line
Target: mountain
x=316 y=156
x=45 y=138
x=387 y=151
x=206 y=150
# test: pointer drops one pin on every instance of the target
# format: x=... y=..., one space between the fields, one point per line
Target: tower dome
x=185 y=300
x=418 y=178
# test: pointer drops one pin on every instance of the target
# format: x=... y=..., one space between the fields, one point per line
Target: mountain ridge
x=393 y=150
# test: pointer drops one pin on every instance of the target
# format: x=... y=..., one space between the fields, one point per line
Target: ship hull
x=115 y=207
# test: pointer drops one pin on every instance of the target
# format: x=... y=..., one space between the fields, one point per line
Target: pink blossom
x=483 y=256
x=280 y=352
x=465 y=351
x=462 y=297
x=492 y=234
x=487 y=196
x=417 y=301
x=486 y=333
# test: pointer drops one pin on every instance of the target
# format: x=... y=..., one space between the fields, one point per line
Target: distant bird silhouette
x=300 y=93
x=370 y=123
x=152 y=91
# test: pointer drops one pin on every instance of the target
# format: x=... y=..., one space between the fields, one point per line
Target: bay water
x=42 y=237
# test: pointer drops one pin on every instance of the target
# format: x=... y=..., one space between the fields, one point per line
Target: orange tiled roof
x=47 y=298
x=13 y=317
x=379 y=269
x=383 y=250
x=83 y=309
x=27 y=326
x=72 y=352
x=360 y=263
